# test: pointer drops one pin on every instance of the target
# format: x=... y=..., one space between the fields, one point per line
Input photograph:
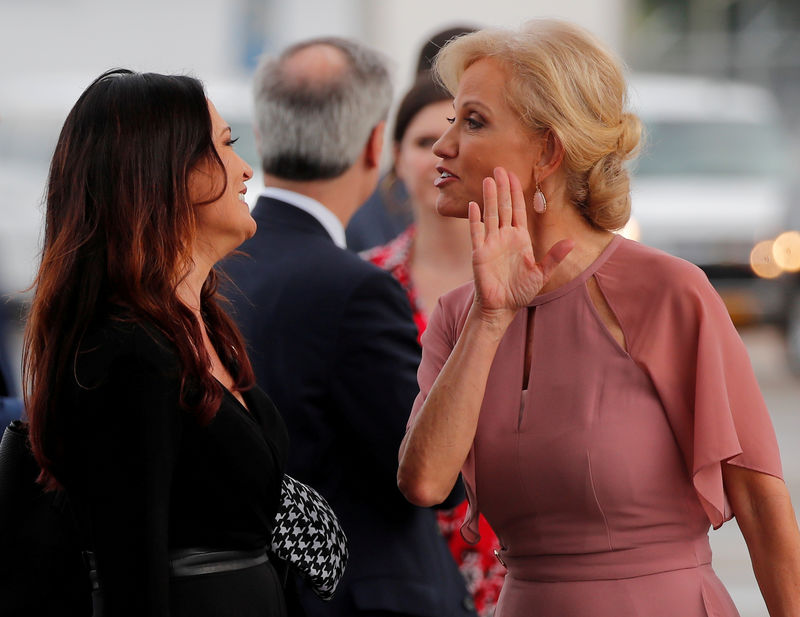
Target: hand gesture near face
x=507 y=275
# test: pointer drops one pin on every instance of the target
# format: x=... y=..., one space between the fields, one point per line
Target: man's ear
x=374 y=147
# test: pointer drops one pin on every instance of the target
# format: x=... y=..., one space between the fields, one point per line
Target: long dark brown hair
x=118 y=232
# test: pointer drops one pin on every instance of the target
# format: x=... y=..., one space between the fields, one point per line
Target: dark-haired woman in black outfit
x=139 y=393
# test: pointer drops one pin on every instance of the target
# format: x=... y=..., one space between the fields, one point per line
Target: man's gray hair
x=313 y=128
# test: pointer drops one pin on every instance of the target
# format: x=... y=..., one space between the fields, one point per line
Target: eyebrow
x=475 y=103
x=227 y=128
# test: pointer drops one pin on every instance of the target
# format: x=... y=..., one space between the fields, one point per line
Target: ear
x=374 y=147
x=551 y=156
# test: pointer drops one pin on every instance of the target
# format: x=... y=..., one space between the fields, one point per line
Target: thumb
x=555 y=256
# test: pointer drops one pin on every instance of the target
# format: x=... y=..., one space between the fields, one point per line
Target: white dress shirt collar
x=326 y=218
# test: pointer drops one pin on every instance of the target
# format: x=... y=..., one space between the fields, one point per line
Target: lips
x=445 y=177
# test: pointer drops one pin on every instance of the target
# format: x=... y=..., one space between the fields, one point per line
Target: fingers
x=490 y=216
x=501 y=179
x=519 y=214
x=555 y=256
x=476 y=229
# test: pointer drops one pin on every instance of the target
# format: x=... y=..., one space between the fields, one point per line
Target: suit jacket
x=383 y=217
x=333 y=343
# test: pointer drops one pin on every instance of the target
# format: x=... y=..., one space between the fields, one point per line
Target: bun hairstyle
x=560 y=78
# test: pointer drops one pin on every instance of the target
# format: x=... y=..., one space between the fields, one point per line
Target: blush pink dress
x=602 y=478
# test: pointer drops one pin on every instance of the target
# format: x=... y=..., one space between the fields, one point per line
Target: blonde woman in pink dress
x=592 y=391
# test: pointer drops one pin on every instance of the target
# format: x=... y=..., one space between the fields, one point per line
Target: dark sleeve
x=374 y=380
x=130 y=443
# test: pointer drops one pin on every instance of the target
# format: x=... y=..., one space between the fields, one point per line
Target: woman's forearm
x=437 y=443
x=766 y=518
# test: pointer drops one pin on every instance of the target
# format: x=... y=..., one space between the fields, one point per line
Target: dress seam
x=597 y=502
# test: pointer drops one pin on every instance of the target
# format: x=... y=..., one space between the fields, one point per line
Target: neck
x=442 y=242
x=190 y=287
x=563 y=221
x=342 y=195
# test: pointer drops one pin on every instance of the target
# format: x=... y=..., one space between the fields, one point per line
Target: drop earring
x=539 y=202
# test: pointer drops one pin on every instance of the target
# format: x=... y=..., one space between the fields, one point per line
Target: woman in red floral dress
x=430 y=258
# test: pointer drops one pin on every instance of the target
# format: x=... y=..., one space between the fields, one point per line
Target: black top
x=144 y=477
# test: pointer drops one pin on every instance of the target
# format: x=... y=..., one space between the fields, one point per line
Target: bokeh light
x=763 y=261
x=786 y=251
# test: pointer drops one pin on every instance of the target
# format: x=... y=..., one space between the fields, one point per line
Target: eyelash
x=230 y=142
x=472 y=123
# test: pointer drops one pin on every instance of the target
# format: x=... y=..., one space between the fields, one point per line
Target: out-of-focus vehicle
x=711 y=186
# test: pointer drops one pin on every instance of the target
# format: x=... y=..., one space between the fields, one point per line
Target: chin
x=446 y=206
x=251 y=230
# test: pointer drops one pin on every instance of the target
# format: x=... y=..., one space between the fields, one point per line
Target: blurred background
x=716 y=81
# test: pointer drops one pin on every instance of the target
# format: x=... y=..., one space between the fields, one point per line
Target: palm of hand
x=507 y=276
x=506 y=273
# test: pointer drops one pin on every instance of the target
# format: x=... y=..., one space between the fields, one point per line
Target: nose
x=446 y=147
x=248 y=171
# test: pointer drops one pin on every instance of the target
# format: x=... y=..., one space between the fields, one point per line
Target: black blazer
x=333 y=343
x=383 y=217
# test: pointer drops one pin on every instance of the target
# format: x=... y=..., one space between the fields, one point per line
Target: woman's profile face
x=225 y=223
x=415 y=162
x=485 y=133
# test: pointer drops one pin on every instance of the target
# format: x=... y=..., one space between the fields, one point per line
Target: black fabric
x=333 y=343
x=41 y=569
x=383 y=217
x=145 y=478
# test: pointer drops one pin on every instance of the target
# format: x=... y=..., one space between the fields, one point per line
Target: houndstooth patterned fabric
x=308 y=536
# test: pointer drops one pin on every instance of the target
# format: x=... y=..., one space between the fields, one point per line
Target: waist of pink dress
x=610 y=565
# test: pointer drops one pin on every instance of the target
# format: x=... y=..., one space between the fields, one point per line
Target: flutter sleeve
x=678 y=329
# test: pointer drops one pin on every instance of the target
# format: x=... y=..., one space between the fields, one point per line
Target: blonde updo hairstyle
x=560 y=78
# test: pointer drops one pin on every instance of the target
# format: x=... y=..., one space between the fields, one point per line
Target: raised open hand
x=507 y=275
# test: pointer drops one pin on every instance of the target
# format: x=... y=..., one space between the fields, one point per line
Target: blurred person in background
x=386 y=212
x=331 y=336
x=592 y=391
x=139 y=392
x=430 y=258
x=10 y=403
